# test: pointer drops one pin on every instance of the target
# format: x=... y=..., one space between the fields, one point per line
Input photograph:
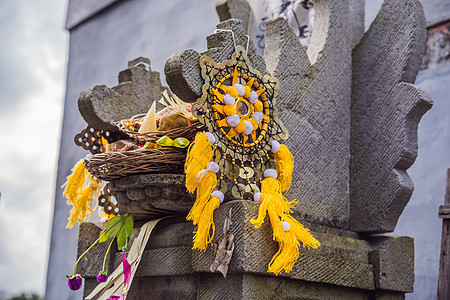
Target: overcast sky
x=32 y=76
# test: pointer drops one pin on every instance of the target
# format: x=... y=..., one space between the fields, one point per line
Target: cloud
x=24 y=26
x=32 y=65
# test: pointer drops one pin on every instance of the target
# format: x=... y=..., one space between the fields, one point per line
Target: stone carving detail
x=138 y=87
x=234 y=9
x=344 y=266
x=314 y=102
x=340 y=137
x=182 y=70
x=151 y=196
x=352 y=113
x=386 y=109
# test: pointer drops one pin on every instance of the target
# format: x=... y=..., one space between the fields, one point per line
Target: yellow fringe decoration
x=285 y=167
x=273 y=203
x=80 y=189
x=199 y=154
x=207 y=184
x=278 y=208
x=203 y=236
x=287 y=253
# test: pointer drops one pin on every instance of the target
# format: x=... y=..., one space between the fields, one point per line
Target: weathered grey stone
x=138 y=87
x=165 y=287
x=171 y=232
x=184 y=79
x=319 y=123
x=234 y=9
x=252 y=286
x=393 y=261
x=92 y=263
x=382 y=295
x=150 y=196
x=386 y=109
x=314 y=105
x=182 y=70
x=317 y=110
x=340 y=267
x=163 y=262
x=99 y=48
x=341 y=260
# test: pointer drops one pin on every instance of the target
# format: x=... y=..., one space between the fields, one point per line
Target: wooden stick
x=443 y=292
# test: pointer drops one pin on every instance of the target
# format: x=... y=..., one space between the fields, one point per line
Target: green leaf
x=112 y=227
x=180 y=142
x=123 y=236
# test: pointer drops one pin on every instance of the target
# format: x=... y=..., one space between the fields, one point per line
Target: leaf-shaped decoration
x=180 y=142
x=386 y=109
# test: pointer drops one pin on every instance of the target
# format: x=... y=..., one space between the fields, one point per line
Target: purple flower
x=102 y=277
x=74 y=282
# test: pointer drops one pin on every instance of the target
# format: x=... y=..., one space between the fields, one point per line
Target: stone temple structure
x=352 y=111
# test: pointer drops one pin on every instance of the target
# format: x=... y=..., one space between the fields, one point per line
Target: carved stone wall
x=344 y=267
x=352 y=112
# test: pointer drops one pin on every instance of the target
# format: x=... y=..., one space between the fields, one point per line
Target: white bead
x=253 y=97
x=228 y=99
x=257 y=197
x=240 y=88
x=211 y=137
x=116 y=209
x=258 y=116
x=248 y=127
x=233 y=120
x=271 y=173
x=212 y=167
x=218 y=194
x=275 y=146
x=286 y=226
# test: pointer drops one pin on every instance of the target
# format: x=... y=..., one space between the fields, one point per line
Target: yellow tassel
x=200 y=152
x=80 y=189
x=288 y=242
x=285 y=167
x=287 y=253
x=207 y=184
x=278 y=208
x=272 y=202
x=206 y=228
x=301 y=233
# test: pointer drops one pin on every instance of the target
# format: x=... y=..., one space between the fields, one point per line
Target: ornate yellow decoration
x=240 y=156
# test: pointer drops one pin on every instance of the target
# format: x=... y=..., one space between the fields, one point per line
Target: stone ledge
x=344 y=262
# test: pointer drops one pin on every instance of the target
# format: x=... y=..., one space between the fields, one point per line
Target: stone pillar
x=352 y=114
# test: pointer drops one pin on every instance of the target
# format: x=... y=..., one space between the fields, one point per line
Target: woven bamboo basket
x=113 y=165
x=187 y=132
